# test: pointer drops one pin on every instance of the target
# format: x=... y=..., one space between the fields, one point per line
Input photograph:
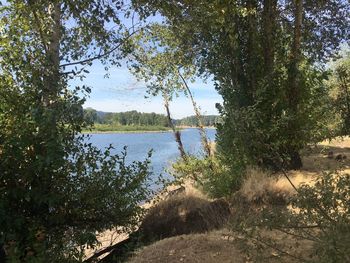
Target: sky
x=122 y=92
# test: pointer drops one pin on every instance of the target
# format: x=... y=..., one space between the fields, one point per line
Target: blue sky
x=122 y=92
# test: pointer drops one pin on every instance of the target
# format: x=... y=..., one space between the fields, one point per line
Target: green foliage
x=261 y=133
x=158 y=60
x=126 y=118
x=316 y=221
x=326 y=204
x=211 y=174
x=133 y=121
x=207 y=120
x=339 y=84
x=264 y=66
x=124 y=128
x=57 y=190
x=91 y=116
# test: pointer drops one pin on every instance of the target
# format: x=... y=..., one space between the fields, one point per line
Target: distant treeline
x=126 y=118
x=207 y=120
x=135 y=118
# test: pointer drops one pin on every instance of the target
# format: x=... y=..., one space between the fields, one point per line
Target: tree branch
x=118 y=246
x=317 y=205
x=37 y=22
x=99 y=55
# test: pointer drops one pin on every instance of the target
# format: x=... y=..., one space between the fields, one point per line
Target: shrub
x=183 y=215
x=319 y=215
x=211 y=174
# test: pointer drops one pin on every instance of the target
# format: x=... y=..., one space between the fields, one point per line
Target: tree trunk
x=52 y=74
x=294 y=85
x=269 y=24
x=177 y=134
x=344 y=89
x=251 y=49
x=203 y=134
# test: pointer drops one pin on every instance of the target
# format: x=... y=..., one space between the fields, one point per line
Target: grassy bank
x=108 y=128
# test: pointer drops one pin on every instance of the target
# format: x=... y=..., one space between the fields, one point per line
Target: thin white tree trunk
x=177 y=134
x=203 y=134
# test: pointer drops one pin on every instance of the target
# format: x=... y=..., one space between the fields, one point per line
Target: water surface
x=163 y=144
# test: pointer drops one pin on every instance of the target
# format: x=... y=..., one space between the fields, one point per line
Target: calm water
x=163 y=144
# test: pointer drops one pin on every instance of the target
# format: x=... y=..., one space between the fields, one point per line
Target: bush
x=319 y=214
x=211 y=174
x=327 y=205
x=56 y=190
x=185 y=214
x=339 y=83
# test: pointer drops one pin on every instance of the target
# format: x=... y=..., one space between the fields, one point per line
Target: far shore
x=96 y=131
x=115 y=131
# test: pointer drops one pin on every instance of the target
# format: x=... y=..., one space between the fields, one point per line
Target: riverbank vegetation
x=110 y=128
x=128 y=118
x=282 y=69
x=133 y=121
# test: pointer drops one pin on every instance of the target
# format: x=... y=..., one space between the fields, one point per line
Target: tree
x=57 y=190
x=294 y=80
x=339 y=84
x=158 y=60
x=269 y=112
x=91 y=115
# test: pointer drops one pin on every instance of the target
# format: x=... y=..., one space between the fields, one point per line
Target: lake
x=163 y=144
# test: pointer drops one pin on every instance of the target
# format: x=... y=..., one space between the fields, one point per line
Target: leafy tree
x=207 y=120
x=57 y=190
x=264 y=56
x=339 y=84
x=158 y=60
x=127 y=118
x=91 y=115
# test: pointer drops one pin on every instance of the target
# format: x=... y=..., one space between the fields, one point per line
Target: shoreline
x=112 y=132
x=141 y=131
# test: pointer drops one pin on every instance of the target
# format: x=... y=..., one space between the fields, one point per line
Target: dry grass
x=214 y=247
x=317 y=159
x=172 y=192
x=341 y=142
x=220 y=247
x=261 y=187
x=183 y=214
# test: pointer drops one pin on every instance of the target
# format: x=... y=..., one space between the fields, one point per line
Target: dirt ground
x=324 y=156
x=214 y=247
x=220 y=246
